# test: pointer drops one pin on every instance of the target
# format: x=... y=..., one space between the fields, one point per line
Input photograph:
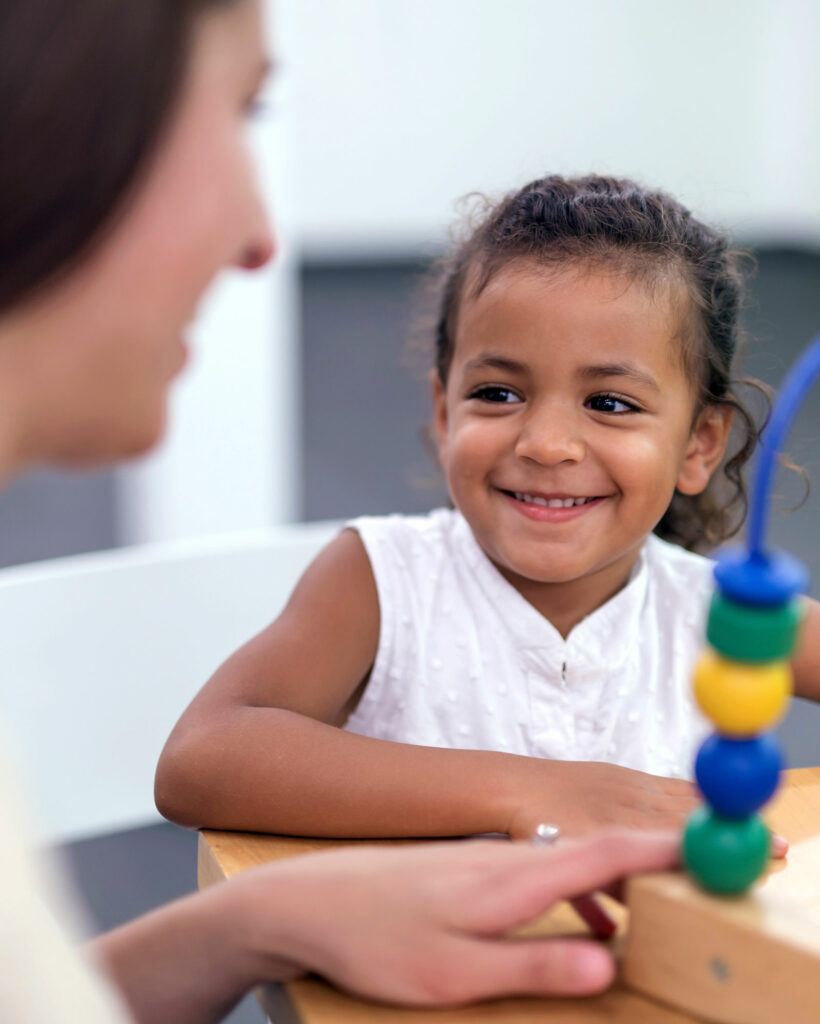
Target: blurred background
x=301 y=401
x=304 y=400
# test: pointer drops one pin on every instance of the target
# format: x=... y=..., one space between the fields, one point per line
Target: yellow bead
x=742 y=699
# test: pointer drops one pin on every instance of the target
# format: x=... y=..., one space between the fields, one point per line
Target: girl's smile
x=551 y=508
x=566 y=425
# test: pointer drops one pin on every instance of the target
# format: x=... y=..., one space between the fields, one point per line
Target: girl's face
x=104 y=344
x=567 y=423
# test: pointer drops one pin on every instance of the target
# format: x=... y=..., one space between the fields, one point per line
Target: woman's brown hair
x=603 y=221
x=85 y=89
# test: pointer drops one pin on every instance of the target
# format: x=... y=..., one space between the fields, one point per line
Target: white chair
x=101 y=653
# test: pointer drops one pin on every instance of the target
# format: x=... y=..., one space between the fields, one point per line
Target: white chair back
x=102 y=652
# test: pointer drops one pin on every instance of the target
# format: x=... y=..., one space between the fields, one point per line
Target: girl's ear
x=705 y=448
x=439 y=397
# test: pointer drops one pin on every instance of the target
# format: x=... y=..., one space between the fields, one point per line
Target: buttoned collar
x=605 y=636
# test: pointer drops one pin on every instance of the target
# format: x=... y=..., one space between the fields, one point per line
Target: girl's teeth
x=551 y=502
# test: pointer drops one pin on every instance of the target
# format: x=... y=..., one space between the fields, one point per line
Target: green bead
x=744 y=632
x=725 y=855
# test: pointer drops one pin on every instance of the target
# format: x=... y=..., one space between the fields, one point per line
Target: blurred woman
x=125 y=185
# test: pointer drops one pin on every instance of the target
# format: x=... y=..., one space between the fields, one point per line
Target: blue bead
x=737 y=777
x=763 y=580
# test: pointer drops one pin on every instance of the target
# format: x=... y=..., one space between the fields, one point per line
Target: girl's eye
x=494 y=393
x=611 y=404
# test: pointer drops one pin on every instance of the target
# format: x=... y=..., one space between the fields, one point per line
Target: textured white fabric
x=465 y=661
x=43 y=979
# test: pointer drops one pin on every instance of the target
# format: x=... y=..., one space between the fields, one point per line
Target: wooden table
x=795 y=814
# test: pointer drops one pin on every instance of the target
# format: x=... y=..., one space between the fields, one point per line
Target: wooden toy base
x=748 y=960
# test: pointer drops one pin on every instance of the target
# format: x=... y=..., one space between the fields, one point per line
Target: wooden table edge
x=275 y=999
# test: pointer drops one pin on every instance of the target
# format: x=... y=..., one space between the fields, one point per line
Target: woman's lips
x=182 y=355
x=534 y=507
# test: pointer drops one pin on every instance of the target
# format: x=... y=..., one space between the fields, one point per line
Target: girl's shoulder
x=412 y=554
x=431 y=534
x=414 y=561
x=678 y=569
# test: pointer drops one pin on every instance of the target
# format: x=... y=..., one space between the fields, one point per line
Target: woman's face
x=105 y=343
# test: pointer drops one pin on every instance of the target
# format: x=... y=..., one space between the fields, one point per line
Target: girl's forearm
x=270 y=770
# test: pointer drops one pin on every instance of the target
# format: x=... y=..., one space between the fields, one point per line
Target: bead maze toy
x=708 y=944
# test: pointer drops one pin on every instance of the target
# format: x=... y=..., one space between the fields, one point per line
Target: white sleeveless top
x=465 y=661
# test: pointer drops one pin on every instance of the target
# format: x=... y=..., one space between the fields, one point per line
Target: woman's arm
x=806 y=662
x=420 y=926
x=190 y=962
x=259 y=748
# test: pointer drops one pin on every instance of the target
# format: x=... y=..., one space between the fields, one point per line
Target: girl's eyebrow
x=488 y=361
x=621 y=370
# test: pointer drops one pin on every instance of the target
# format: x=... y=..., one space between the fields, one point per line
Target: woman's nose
x=260 y=245
x=259 y=251
x=551 y=438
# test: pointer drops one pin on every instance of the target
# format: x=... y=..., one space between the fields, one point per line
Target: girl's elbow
x=176 y=793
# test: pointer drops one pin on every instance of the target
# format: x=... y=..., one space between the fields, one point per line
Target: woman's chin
x=113 y=442
x=145 y=440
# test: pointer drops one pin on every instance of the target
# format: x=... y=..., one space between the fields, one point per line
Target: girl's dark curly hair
x=647 y=234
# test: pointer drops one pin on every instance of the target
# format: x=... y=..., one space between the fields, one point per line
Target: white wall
x=400 y=107
x=387 y=111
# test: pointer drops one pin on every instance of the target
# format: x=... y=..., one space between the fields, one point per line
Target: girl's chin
x=515 y=570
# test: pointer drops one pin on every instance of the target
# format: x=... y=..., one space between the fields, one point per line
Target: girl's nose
x=550 y=439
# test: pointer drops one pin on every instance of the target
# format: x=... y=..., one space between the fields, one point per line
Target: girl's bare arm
x=260 y=747
x=806 y=662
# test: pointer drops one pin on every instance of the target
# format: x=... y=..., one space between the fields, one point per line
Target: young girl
x=527 y=655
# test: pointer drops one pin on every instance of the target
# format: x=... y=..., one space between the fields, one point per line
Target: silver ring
x=546 y=834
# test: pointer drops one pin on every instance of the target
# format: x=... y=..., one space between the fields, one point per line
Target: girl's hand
x=425 y=925
x=581 y=796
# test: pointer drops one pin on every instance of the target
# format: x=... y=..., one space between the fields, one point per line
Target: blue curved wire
x=798 y=381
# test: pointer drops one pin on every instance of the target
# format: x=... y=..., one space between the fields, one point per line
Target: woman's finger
x=578 y=867
x=556 y=967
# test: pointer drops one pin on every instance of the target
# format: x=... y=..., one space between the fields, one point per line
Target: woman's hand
x=425 y=925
